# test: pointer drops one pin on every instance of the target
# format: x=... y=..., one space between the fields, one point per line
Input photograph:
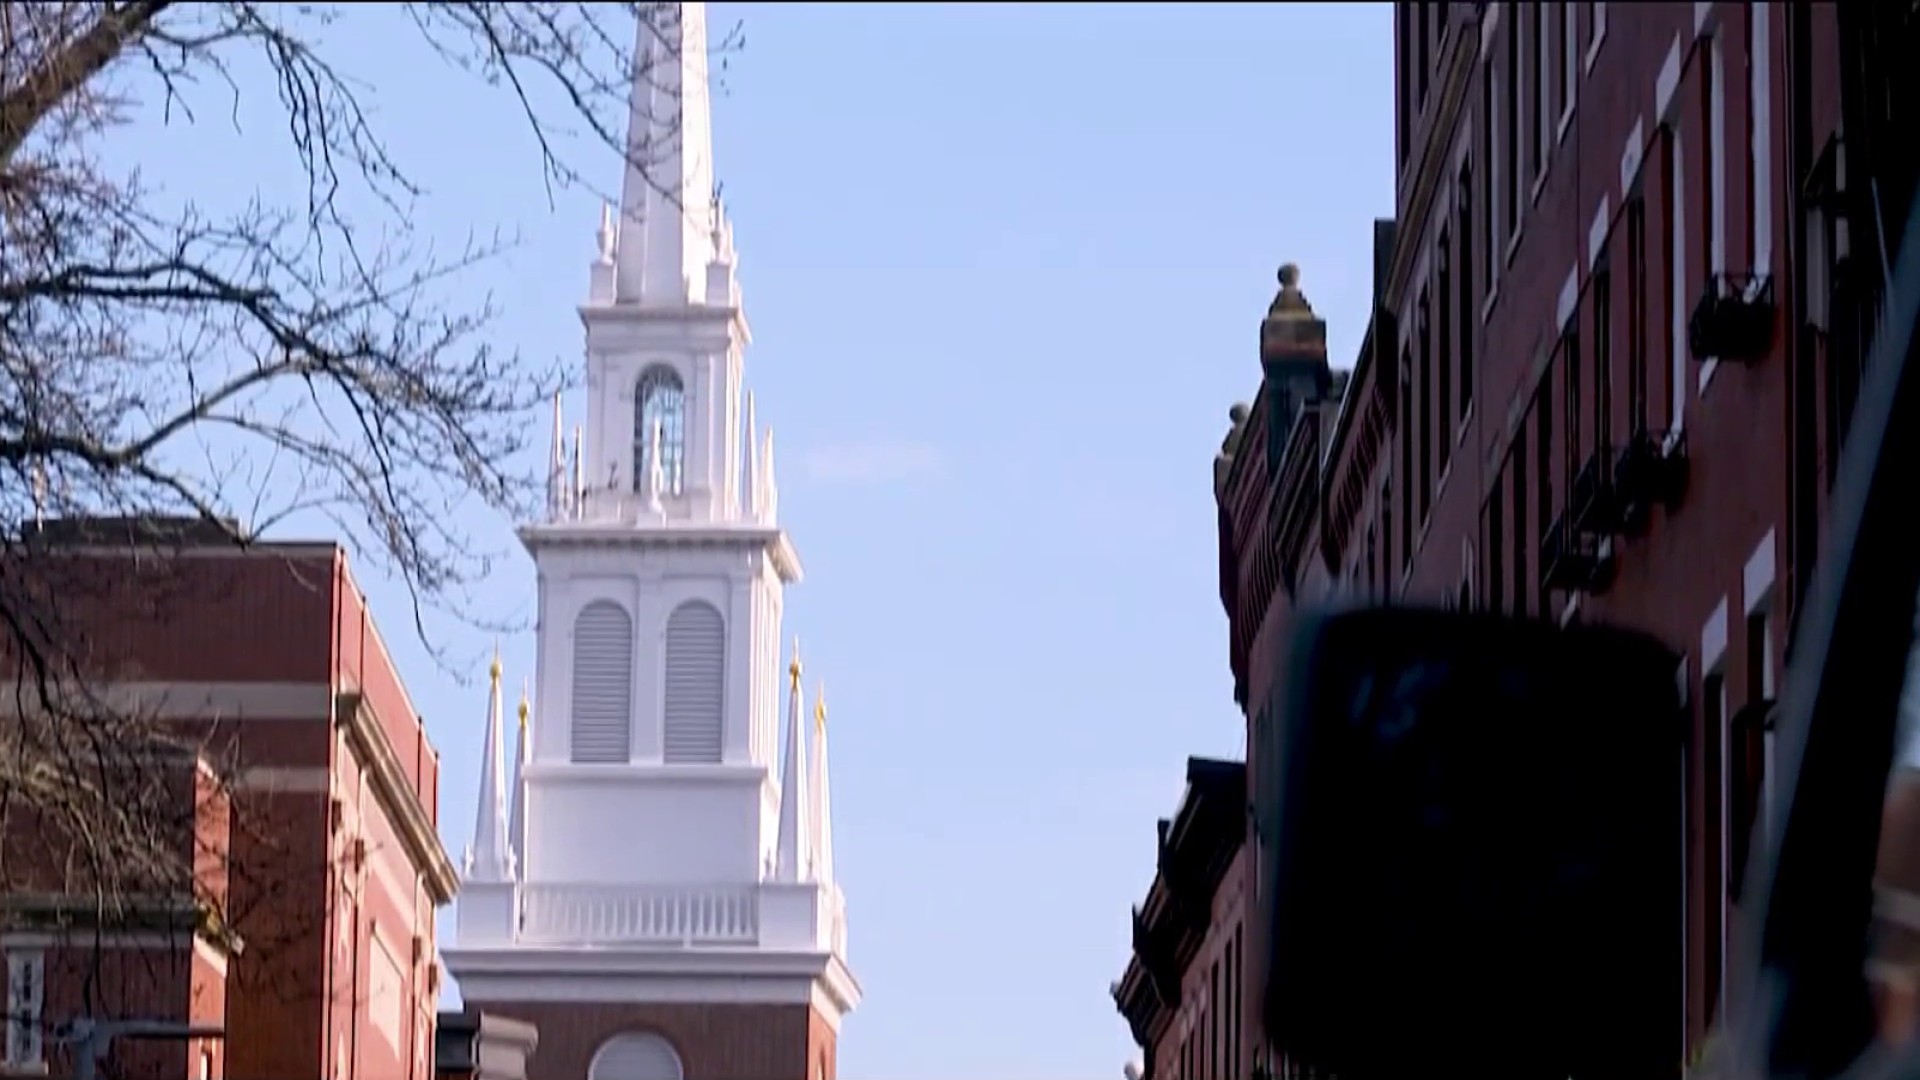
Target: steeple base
x=727 y=1015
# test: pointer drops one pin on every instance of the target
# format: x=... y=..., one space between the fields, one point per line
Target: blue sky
x=1005 y=267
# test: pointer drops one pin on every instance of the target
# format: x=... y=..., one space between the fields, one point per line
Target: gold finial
x=793 y=669
x=524 y=707
x=494 y=670
x=820 y=707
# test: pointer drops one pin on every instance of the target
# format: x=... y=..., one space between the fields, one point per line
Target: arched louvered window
x=696 y=666
x=660 y=401
x=635 y=1056
x=602 y=684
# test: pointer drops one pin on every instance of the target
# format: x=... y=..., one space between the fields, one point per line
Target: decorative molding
x=395 y=792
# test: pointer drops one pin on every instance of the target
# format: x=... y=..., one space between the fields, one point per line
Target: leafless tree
x=164 y=360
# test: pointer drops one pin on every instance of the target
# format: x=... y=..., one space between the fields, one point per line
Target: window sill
x=1540 y=182
x=1707 y=368
x=1493 y=298
x=1513 y=245
x=1460 y=436
x=1593 y=50
x=1564 y=125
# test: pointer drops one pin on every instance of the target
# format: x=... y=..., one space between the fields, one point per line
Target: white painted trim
x=1489 y=26
x=1599 y=34
x=1702 y=17
x=1667 y=81
x=609 y=975
x=1569 y=302
x=1713 y=640
x=1631 y=156
x=1597 y=232
x=1756 y=579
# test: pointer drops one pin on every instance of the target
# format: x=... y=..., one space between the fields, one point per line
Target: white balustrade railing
x=610 y=914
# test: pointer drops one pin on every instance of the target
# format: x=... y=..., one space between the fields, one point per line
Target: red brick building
x=307 y=928
x=1608 y=371
x=1182 y=989
x=1596 y=360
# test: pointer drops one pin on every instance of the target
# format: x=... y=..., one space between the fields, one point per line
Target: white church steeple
x=657 y=837
x=490 y=858
x=794 y=851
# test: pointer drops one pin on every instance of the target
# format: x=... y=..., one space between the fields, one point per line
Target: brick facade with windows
x=1620 y=176
x=1606 y=377
x=317 y=781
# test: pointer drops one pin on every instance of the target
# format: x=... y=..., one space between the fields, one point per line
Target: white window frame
x=1599 y=22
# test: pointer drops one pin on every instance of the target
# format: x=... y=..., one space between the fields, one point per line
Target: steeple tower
x=793 y=856
x=663 y=867
x=491 y=858
x=666 y=236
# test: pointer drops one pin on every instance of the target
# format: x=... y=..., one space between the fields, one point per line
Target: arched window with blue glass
x=660 y=402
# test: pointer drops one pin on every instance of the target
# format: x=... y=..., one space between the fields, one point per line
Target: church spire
x=490 y=859
x=795 y=845
x=666 y=238
x=822 y=799
x=517 y=815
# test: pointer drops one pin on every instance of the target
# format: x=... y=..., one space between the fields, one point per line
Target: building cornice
x=618 y=535
x=353 y=713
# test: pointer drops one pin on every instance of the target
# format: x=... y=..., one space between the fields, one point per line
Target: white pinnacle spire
x=666 y=239
x=795 y=845
x=769 y=487
x=517 y=815
x=557 y=503
x=490 y=858
x=822 y=800
x=655 y=477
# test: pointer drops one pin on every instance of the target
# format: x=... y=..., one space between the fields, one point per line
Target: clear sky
x=1005 y=267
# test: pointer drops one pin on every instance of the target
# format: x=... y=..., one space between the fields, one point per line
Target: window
x=1713 y=716
x=1423 y=64
x=660 y=417
x=1602 y=359
x=1713 y=125
x=1443 y=415
x=1569 y=60
x=1490 y=153
x=1406 y=460
x=1543 y=469
x=26 y=994
x=693 y=721
x=1496 y=543
x=1637 y=313
x=1514 y=155
x=1424 y=419
x=1673 y=196
x=1753 y=747
x=1533 y=62
x=1570 y=402
x=1522 y=585
x=1467 y=295
x=602 y=727
x=1554 y=27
